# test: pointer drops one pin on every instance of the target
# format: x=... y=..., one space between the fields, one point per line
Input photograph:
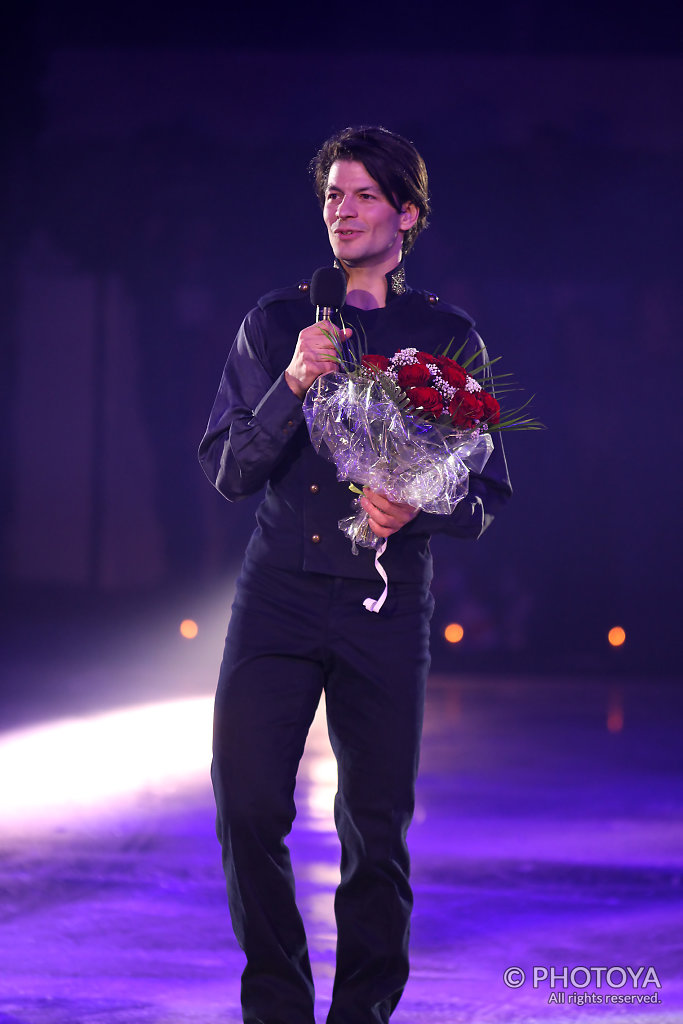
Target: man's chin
x=349 y=259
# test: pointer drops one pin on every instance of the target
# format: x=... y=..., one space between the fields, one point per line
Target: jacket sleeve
x=488 y=491
x=253 y=419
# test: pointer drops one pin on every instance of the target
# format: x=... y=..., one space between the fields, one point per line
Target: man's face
x=364 y=228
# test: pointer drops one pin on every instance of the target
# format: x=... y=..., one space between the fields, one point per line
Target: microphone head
x=328 y=287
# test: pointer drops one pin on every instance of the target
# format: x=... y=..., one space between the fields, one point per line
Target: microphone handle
x=323 y=313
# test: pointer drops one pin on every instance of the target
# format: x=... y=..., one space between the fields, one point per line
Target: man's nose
x=347 y=207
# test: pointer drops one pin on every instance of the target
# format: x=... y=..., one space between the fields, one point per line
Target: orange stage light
x=454 y=632
x=189 y=629
x=616 y=636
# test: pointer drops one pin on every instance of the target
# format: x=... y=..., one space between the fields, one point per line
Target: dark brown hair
x=391 y=160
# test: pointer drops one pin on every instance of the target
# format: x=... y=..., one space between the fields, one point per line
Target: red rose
x=424 y=357
x=428 y=400
x=466 y=408
x=375 y=362
x=491 y=407
x=412 y=376
x=451 y=371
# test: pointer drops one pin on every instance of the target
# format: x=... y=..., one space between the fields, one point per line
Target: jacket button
x=316 y=538
x=304 y=286
x=314 y=488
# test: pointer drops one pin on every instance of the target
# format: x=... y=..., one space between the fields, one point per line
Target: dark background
x=154 y=185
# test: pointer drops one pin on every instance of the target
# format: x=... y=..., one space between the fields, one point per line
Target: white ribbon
x=369 y=604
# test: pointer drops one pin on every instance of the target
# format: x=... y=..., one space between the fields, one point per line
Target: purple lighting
x=541 y=841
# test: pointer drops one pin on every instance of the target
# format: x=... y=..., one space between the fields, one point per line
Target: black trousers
x=293 y=635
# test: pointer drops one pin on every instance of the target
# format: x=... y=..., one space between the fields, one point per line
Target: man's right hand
x=314 y=354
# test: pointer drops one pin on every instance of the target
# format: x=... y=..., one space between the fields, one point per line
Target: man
x=298 y=625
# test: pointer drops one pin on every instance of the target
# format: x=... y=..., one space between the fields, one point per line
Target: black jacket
x=257 y=436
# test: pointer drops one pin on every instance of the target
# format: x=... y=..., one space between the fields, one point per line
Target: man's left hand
x=386 y=516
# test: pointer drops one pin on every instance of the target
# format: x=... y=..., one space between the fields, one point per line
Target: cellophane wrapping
x=374 y=443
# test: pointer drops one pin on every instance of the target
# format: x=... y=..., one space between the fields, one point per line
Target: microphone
x=328 y=291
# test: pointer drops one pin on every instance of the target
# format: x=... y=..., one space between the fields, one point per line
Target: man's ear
x=409 y=215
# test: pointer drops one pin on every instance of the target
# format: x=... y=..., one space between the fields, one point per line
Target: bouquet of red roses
x=438 y=388
x=411 y=426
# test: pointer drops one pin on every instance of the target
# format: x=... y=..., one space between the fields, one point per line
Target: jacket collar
x=396 y=279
